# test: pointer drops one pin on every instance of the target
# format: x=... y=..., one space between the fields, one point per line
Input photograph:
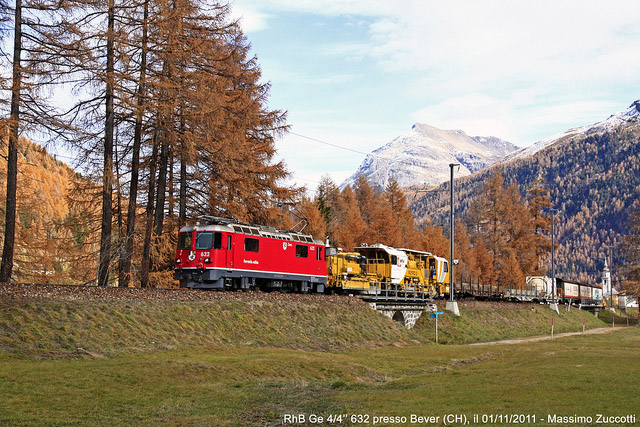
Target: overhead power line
x=388 y=159
x=333 y=145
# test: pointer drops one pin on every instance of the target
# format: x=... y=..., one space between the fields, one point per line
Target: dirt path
x=548 y=337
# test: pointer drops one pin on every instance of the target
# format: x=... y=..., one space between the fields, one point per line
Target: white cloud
x=516 y=70
x=472 y=46
x=251 y=20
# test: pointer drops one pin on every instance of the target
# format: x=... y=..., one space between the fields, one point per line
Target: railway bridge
x=404 y=310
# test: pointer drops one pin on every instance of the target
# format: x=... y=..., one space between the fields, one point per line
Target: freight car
x=227 y=254
x=540 y=289
x=585 y=295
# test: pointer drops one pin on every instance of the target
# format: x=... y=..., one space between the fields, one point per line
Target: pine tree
x=375 y=210
x=107 y=171
x=522 y=240
x=484 y=264
x=327 y=196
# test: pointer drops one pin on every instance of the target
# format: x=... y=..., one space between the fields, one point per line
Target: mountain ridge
x=593 y=177
x=629 y=116
x=422 y=156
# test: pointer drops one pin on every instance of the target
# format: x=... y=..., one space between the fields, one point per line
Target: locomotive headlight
x=207 y=260
x=178 y=261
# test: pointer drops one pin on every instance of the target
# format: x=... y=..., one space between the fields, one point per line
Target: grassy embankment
x=43 y=328
x=249 y=363
x=493 y=321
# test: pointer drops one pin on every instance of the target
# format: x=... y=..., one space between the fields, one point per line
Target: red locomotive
x=227 y=254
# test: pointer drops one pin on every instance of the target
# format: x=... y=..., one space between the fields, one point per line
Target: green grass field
x=257 y=362
x=583 y=375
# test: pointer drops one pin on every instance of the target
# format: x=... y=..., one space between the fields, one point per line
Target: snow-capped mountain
x=423 y=155
x=629 y=117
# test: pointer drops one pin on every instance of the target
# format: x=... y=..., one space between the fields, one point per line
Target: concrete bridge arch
x=405 y=313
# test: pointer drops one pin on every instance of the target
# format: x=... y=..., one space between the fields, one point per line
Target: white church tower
x=606 y=285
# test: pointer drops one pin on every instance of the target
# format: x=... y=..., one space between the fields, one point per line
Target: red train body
x=226 y=254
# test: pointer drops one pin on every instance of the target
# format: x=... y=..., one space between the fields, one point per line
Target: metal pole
x=451 y=275
x=553 y=261
x=452 y=305
x=611 y=276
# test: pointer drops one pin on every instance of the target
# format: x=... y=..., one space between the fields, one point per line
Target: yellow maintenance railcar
x=378 y=269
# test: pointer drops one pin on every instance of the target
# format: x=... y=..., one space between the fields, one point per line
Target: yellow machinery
x=420 y=276
x=439 y=274
x=378 y=268
x=346 y=271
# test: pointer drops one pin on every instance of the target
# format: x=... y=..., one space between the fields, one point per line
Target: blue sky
x=358 y=73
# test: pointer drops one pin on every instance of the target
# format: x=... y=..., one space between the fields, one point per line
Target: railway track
x=96 y=293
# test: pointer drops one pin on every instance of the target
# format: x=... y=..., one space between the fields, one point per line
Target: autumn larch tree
x=376 y=214
x=348 y=227
x=140 y=108
x=210 y=118
x=43 y=33
x=12 y=155
x=538 y=202
x=631 y=249
x=406 y=233
x=434 y=240
x=500 y=222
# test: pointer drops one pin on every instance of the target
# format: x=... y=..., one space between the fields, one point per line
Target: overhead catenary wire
x=333 y=145
x=341 y=147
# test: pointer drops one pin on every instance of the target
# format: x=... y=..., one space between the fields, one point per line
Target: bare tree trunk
x=127 y=253
x=170 y=187
x=107 y=178
x=120 y=219
x=146 y=250
x=162 y=187
x=12 y=160
x=182 y=216
x=182 y=192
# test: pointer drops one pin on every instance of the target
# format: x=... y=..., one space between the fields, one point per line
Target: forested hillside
x=593 y=182
x=57 y=223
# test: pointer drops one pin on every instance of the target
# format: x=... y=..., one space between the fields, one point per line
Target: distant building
x=606 y=281
x=625 y=300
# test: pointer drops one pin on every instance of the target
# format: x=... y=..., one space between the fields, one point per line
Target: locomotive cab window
x=251 y=245
x=204 y=240
x=446 y=267
x=217 y=240
x=319 y=254
x=185 y=240
x=394 y=259
x=302 y=251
